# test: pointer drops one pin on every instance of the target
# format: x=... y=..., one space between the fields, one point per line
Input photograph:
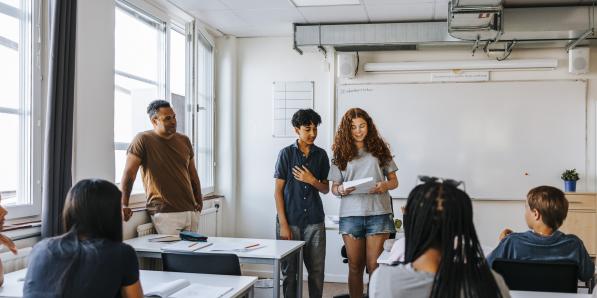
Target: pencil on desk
x=252 y=245
x=193 y=244
x=158 y=238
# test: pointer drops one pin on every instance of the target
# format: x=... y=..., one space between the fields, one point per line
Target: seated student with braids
x=545 y=211
x=443 y=257
x=89 y=260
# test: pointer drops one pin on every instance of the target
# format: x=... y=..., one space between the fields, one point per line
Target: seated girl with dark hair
x=89 y=260
x=443 y=257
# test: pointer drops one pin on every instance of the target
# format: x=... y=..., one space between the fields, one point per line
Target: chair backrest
x=208 y=263
x=538 y=275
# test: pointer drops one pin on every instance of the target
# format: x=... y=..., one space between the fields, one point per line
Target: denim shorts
x=363 y=226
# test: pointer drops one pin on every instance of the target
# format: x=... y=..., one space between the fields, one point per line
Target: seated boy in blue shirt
x=545 y=211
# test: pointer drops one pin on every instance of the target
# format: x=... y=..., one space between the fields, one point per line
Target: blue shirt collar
x=296 y=146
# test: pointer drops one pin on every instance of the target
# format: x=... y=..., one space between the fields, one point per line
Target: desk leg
x=251 y=293
x=299 y=287
x=276 y=278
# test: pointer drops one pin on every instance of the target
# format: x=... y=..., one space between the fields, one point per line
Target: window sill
x=139 y=206
x=22 y=223
x=212 y=196
x=22 y=228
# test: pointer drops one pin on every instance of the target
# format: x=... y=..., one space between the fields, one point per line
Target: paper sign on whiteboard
x=289 y=97
x=466 y=76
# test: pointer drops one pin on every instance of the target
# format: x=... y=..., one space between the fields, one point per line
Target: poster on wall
x=289 y=97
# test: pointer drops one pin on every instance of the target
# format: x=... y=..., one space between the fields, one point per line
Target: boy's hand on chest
x=302 y=173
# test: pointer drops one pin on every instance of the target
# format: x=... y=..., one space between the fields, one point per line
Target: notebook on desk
x=183 y=288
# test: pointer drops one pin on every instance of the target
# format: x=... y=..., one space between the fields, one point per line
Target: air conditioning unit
x=475 y=20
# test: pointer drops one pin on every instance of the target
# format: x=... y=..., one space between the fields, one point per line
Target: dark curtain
x=59 y=117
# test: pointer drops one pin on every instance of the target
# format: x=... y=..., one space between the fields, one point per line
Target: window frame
x=175 y=19
x=202 y=37
x=30 y=180
x=141 y=13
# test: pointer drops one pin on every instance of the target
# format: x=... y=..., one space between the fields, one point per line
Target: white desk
x=241 y=285
x=273 y=253
x=525 y=294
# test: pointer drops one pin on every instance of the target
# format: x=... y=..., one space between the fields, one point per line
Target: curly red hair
x=344 y=148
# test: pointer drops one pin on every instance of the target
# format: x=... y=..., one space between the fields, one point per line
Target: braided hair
x=439 y=215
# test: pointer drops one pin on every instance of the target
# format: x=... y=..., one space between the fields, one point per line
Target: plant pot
x=569 y=186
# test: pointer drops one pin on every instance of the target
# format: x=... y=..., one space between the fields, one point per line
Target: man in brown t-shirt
x=168 y=171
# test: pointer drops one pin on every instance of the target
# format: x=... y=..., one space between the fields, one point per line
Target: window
x=138 y=78
x=20 y=109
x=154 y=60
x=204 y=126
x=178 y=78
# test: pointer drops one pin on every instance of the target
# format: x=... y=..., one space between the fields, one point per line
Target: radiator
x=208 y=222
x=145 y=229
x=12 y=262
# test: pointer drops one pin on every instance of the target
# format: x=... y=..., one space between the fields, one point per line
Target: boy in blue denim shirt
x=545 y=211
x=301 y=174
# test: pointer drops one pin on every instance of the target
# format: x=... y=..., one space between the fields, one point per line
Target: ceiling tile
x=257 y=4
x=270 y=16
x=305 y=3
x=334 y=14
x=220 y=18
x=402 y=12
x=260 y=31
x=194 y=5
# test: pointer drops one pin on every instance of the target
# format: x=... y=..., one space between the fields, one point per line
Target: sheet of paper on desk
x=236 y=247
x=360 y=185
x=185 y=246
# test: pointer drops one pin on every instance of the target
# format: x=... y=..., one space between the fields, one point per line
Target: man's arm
x=285 y=232
x=196 y=184
x=126 y=183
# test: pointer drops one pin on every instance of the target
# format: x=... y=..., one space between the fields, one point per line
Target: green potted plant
x=570 y=177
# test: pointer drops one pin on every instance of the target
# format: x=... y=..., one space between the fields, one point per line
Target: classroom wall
x=264 y=60
x=261 y=61
x=94 y=91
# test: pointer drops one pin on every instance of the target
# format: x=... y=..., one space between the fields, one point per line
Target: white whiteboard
x=501 y=138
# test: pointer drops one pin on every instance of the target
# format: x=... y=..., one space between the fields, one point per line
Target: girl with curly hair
x=366 y=219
